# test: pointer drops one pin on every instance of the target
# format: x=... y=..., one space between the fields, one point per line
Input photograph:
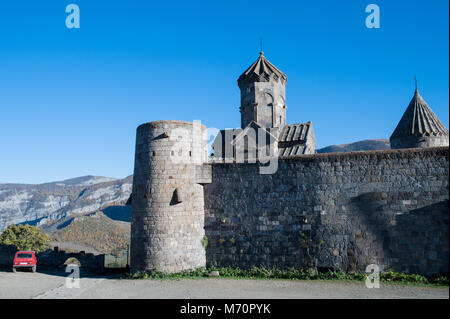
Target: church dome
x=261 y=71
x=419 y=127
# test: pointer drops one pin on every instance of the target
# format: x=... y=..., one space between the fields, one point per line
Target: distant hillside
x=38 y=204
x=91 y=232
x=365 y=145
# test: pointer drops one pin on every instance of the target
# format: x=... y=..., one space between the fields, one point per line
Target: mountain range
x=365 y=145
x=42 y=203
x=93 y=232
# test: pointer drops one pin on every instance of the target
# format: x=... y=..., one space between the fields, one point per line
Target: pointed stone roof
x=261 y=71
x=296 y=139
x=295 y=132
x=419 y=120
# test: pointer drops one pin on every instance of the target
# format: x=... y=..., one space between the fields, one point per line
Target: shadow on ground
x=61 y=272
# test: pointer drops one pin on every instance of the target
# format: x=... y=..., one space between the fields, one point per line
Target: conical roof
x=261 y=71
x=419 y=120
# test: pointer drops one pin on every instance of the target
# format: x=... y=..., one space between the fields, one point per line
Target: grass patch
x=395 y=277
x=293 y=274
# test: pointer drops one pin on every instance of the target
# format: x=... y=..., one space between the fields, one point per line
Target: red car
x=25 y=259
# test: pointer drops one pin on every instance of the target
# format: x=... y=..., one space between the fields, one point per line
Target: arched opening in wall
x=265 y=110
x=72 y=261
x=266 y=115
x=246 y=150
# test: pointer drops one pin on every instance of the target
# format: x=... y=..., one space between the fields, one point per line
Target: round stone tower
x=167 y=216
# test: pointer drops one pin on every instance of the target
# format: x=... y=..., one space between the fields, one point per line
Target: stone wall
x=54 y=258
x=7 y=255
x=167 y=218
x=333 y=211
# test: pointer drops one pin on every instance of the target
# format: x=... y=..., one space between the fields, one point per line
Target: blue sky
x=71 y=99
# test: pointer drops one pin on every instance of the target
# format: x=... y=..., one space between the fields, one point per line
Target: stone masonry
x=333 y=211
x=167 y=219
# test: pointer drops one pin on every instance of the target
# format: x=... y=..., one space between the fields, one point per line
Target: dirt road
x=52 y=284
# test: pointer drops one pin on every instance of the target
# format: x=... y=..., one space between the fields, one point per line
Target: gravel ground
x=51 y=284
x=25 y=284
x=242 y=289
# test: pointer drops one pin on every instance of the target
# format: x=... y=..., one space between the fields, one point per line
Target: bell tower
x=263 y=94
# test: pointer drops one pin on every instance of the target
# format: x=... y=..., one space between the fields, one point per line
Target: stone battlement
x=339 y=156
